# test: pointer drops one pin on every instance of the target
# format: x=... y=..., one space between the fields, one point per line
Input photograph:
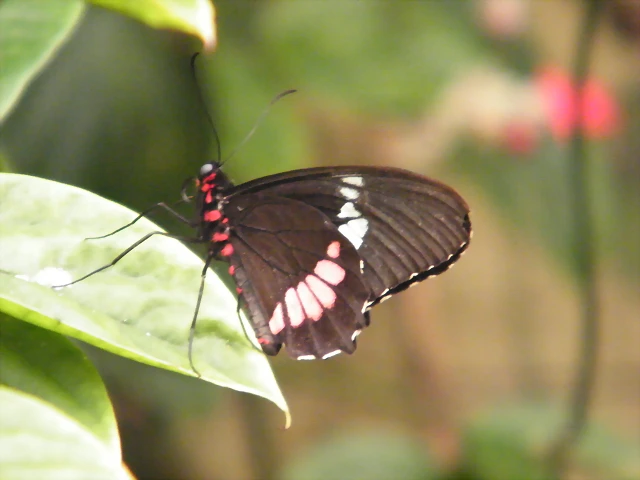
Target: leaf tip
x=206 y=26
x=287 y=419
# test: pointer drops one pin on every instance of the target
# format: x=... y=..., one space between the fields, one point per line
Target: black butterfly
x=313 y=250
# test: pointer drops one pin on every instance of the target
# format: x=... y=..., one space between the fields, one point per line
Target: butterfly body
x=311 y=251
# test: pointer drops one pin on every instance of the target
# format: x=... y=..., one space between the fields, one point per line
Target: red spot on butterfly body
x=238 y=290
x=263 y=341
x=212 y=216
x=208 y=197
x=220 y=237
x=232 y=270
x=227 y=250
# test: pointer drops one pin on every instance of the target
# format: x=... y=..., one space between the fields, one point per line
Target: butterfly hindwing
x=299 y=277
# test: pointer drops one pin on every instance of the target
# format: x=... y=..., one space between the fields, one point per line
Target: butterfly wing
x=405 y=227
x=299 y=278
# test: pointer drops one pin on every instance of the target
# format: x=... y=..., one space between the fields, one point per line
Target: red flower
x=600 y=111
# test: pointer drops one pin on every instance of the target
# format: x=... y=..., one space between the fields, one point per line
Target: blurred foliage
x=59 y=374
x=532 y=195
x=358 y=454
x=56 y=415
x=117 y=112
x=511 y=444
x=27 y=42
x=391 y=78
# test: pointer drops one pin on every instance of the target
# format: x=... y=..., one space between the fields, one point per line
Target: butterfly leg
x=162 y=205
x=192 y=329
x=186 y=198
x=128 y=250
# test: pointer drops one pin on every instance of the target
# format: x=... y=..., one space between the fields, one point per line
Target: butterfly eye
x=206 y=169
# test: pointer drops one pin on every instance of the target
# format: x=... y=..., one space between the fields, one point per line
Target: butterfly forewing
x=299 y=277
x=404 y=226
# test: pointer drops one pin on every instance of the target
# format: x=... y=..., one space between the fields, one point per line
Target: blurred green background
x=464 y=377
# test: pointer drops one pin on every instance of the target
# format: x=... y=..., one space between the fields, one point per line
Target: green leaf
x=195 y=17
x=357 y=454
x=49 y=366
x=35 y=437
x=31 y=31
x=141 y=308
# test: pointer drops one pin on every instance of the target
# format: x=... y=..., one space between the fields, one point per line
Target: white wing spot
x=349 y=193
x=349 y=210
x=355 y=230
x=350 y=235
x=384 y=299
x=355 y=334
x=306 y=357
x=331 y=354
x=357 y=181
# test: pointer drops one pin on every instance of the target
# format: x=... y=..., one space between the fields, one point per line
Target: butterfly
x=313 y=250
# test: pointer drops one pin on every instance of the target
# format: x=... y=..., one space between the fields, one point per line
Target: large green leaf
x=35 y=438
x=50 y=367
x=30 y=33
x=141 y=308
x=190 y=16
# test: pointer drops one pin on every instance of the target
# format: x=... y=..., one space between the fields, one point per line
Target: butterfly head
x=208 y=169
x=211 y=177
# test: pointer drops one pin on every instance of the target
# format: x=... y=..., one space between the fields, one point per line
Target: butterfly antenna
x=258 y=122
x=204 y=105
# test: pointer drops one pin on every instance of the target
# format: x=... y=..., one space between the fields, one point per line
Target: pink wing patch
x=310 y=303
x=322 y=291
x=333 y=250
x=276 y=324
x=312 y=295
x=330 y=272
x=294 y=308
